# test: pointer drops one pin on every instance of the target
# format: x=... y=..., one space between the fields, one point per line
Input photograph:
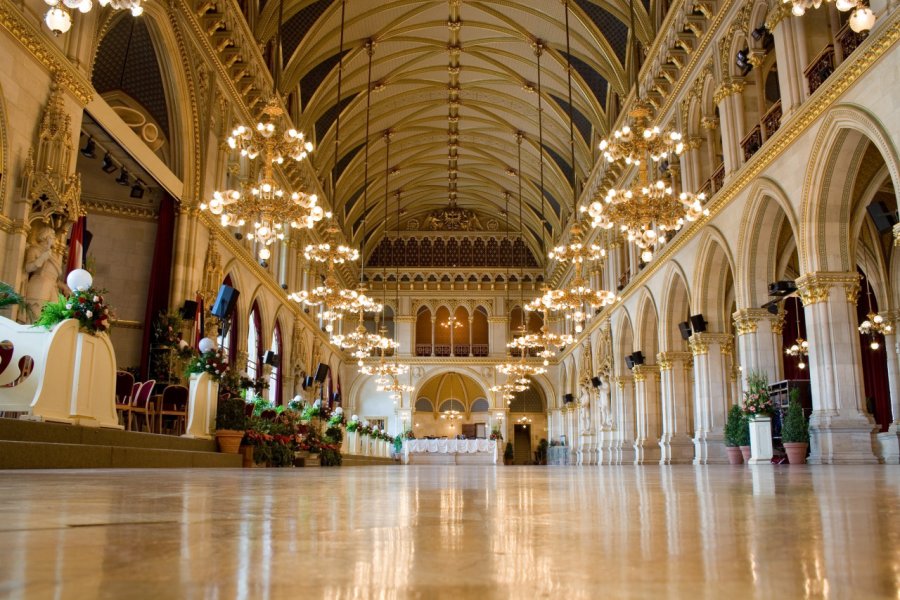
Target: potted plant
x=542 y=452
x=794 y=431
x=230 y=425
x=508 y=454
x=733 y=425
x=743 y=439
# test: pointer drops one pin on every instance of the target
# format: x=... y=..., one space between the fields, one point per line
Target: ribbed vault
x=454 y=82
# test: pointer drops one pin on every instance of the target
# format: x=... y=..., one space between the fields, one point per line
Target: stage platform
x=37 y=445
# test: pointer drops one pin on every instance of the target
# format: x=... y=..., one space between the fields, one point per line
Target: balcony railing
x=849 y=40
x=442 y=349
x=423 y=349
x=751 y=142
x=461 y=350
x=480 y=350
x=772 y=119
x=718 y=178
x=820 y=68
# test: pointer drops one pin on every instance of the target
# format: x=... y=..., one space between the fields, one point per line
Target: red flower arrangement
x=212 y=362
x=87 y=306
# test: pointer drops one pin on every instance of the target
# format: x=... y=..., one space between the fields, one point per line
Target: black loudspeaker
x=225 y=302
x=271 y=359
x=685 y=328
x=321 y=373
x=596 y=381
x=637 y=357
x=629 y=362
x=568 y=398
x=883 y=218
x=308 y=382
x=698 y=323
x=189 y=310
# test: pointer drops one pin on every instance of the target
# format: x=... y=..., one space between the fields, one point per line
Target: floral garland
x=212 y=362
x=353 y=425
x=87 y=306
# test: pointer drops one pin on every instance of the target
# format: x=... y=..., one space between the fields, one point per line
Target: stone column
x=624 y=447
x=497 y=336
x=790 y=52
x=889 y=441
x=405 y=325
x=646 y=401
x=675 y=443
x=840 y=431
x=728 y=98
x=711 y=381
x=759 y=342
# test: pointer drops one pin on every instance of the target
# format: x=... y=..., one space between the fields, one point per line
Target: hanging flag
x=76 y=246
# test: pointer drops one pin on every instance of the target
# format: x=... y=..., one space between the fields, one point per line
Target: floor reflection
x=395 y=532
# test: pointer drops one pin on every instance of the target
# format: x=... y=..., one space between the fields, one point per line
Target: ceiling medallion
x=453 y=218
x=262 y=202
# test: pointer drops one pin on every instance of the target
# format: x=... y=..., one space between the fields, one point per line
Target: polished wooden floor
x=452 y=532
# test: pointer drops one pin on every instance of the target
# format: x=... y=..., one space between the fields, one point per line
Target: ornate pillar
x=728 y=98
x=471 y=321
x=606 y=427
x=497 y=336
x=624 y=447
x=840 y=431
x=433 y=321
x=892 y=350
x=646 y=401
x=711 y=381
x=405 y=325
x=675 y=443
x=790 y=51
x=759 y=342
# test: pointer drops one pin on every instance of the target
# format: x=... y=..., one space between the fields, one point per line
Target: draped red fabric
x=792 y=311
x=160 y=274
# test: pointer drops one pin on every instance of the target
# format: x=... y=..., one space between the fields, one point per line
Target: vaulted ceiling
x=454 y=82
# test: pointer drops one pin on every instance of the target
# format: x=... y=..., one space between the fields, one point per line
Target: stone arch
x=766 y=214
x=675 y=309
x=828 y=217
x=623 y=341
x=714 y=281
x=647 y=327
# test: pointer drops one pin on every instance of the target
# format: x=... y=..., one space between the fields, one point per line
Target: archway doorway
x=449 y=405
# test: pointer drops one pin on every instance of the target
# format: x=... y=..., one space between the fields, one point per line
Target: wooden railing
x=751 y=142
x=423 y=349
x=849 y=40
x=718 y=178
x=772 y=120
x=460 y=350
x=442 y=349
x=821 y=67
x=480 y=350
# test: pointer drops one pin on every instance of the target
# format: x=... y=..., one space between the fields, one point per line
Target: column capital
x=496 y=320
x=746 y=319
x=815 y=287
x=896 y=231
x=729 y=87
x=642 y=372
x=665 y=360
x=405 y=319
x=622 y=380
x=777 y=14
x=700 y=342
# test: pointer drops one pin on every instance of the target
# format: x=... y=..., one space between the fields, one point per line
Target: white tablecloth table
x=445 y=451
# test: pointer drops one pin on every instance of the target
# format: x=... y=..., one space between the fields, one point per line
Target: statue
x=43 y=268
x=585 y=410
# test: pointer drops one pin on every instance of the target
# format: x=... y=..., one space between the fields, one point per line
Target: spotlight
x=122 y=179
x=89 y=147
x=742 y=60
x=108 y=165
x=137 y=190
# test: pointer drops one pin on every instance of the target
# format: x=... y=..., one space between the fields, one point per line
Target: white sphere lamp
x=207 y=345
x=79 y=280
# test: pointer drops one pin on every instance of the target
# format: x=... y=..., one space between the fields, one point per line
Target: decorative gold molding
x=728 y=88
x=42 y=49
x=815 y=287
x=667 y=360
x=127 y=211
x=746 y=320
x=700 y=342
x=124 y=324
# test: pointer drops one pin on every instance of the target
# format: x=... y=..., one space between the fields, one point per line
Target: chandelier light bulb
x=844 y=5
x=862 y=19
x=798 y=10
x=801 y=365
x=874 y=345
x=264 y=254
x=58 y=20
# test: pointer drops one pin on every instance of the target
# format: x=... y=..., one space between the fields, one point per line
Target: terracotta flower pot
x=735 y=456
x=229 y=440
x=745 y=452
x=796 y=452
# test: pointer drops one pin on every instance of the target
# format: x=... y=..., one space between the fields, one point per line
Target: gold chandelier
x=394 y=388
x=861 y=19
x=648 y=212
x=263 y=202
x=331 y=252
x=874 y=324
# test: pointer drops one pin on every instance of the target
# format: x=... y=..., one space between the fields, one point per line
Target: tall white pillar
x=790 y=52
x=624 y=419
x=711 y=380
x=840 y=431
x=647 y=407
x=759 y=342
x=676 y=446
x=728 y=97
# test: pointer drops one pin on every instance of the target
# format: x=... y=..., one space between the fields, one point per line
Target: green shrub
x=744 y=437
x=733 y=425
x=508 y=453
x=334 y=434
x=230 y=415
x=794 y=428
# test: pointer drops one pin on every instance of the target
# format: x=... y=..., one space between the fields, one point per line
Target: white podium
x=73 y=379
x=202 y=406
x=760 y=441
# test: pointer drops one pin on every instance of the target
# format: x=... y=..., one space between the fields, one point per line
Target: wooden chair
x=173 y=403
x=142 y=405
x=124 y=394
